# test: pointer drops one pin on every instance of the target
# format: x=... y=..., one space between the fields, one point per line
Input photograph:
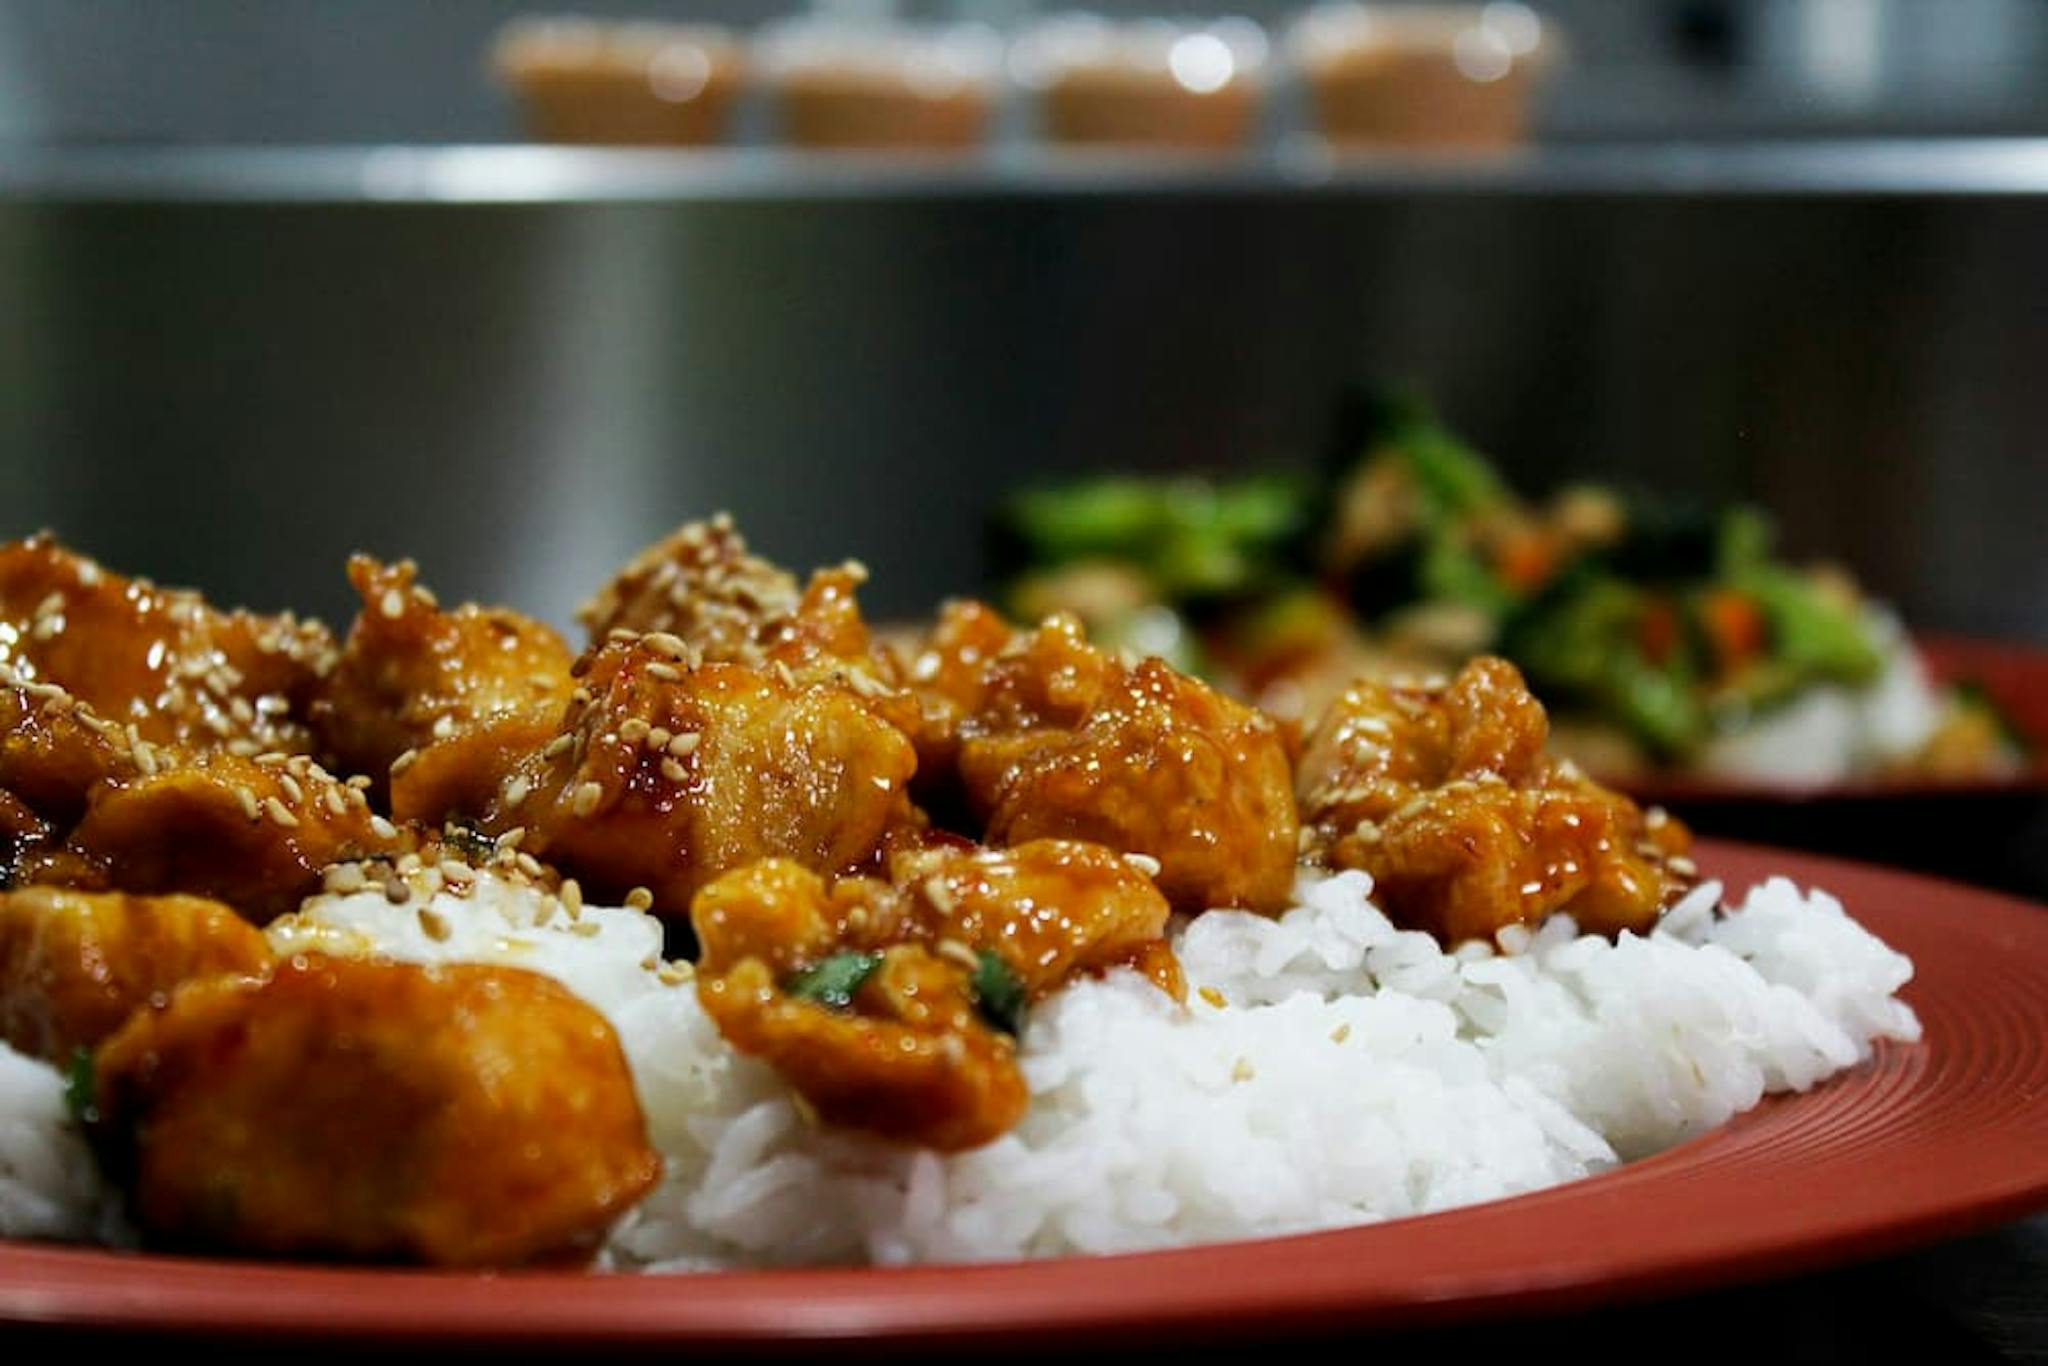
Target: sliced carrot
x=1735 y=625
x=1657 y=630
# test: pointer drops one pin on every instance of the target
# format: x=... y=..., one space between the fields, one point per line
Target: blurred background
x=230 y=367
x=283 y=280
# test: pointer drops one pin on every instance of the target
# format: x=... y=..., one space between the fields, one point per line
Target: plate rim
x=1293 y=1282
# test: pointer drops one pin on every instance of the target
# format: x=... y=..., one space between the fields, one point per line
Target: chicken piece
x=702 y=589
x=54 y=749
x=1051 y=909
x=894 y=1009
x=23 y=833
x=1444 y=793
x=412 y=675
x=75 y=965
x=700 y=585
x=666 y=775
x=458 y=778
x=1069 y=743
x=948 y=674
x=458 y=1115
x=254 y=833
x=158 y=662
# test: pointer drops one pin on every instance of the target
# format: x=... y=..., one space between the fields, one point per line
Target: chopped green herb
x=81 y=1092
x=998 y=995
x=832 y=981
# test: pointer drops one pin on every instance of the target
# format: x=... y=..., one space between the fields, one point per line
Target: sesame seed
x=1144 y=863
x=572 y=897
x=1241 y=1070
x=511 y=838
x=383 y=829
x=675 y=974
x=456 y=871
x=343 y=878
x=620 y=635
x=331 y=798
x=397 y=892
x=403 y=762
x=250 y=807
x=557 y=745
x=683 y=745
x=586 y=798
x=953 y=951
x=359 y=781
x=1340 y=1033
x=527 y=864
x=662 y=643
x=640 y=899
x=667 y=673
x=940 y=895
x=409 y=863
x=1656 y=818
x=1682 y=866
x=633 y=730
x=393 y=603
x=782 y=672
x=1213 y=997
x=674 y=771
x=516 y=788
x=291 y=787
x=588 y=929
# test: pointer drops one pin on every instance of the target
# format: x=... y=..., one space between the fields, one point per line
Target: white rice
x=1830 y=732
x=1354 y=1073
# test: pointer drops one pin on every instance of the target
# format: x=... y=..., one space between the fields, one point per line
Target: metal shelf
x=516 y=174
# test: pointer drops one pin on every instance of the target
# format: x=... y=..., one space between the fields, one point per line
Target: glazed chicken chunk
x=356 y=1108
x=54 y=750
x=1444 y=793
x=699 y=584
x=251 y=832
x=665 y=775
x=412 y=676
x=75 y=965
x=159 y=663
x=894 y=1007
x=1067 y=742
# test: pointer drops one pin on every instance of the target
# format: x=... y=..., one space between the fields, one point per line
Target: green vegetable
x=1811 y=634
x=1451 y=477
x=1743 y=543
x=832 y=981
x=1579 y=645
x=1191 y=539
x=81 y=1088
x=998 y=995
x=1450 y=570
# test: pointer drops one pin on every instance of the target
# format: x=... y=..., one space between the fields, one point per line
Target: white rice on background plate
x=1352 y=1073
x=1830 y=733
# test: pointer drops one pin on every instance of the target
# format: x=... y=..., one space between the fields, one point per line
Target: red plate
x=1928 y=1141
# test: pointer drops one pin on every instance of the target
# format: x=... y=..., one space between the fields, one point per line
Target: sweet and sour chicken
x=883 y=852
